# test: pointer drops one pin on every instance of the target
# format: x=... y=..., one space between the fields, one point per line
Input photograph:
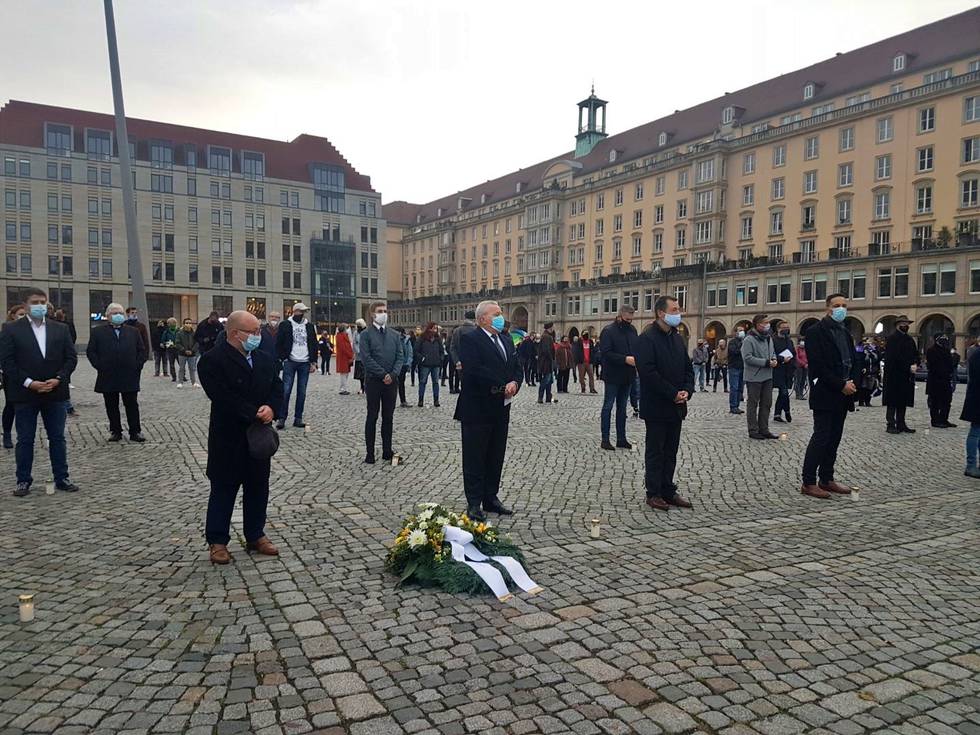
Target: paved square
x=760 y=611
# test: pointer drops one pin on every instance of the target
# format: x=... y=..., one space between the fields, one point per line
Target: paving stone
x=672 y=719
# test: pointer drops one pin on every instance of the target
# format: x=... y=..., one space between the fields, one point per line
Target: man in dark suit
x=901 y=358
x=834 y=374
x=491 y=378
x=244 y=388
x=38 y=358
x=666 y=385
x=117 y=353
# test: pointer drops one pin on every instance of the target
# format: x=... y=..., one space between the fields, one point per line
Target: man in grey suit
x=382 y=356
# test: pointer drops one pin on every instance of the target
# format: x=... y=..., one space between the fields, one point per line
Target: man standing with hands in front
x=382 y=355
x=759 y=359
x=296 y=348
x=244 y=389
x=833 y=375
x=666 y=385
x=117 y=353
x=618 y=342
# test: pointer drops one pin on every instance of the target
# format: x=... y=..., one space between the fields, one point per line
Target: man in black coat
x=939 y=381
x=207 y=332
x=492 y=378
x=666 y=384
x=834 y=374
x=618 y=342
x=38 y=358
x=117 y=353
x=901 y=357
x=244 y=388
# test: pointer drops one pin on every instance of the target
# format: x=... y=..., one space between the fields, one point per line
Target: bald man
x=244 y=388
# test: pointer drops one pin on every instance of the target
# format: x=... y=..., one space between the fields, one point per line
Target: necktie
x=248 y=359
x=382 y=330
x=500 y=345
x=116 y=330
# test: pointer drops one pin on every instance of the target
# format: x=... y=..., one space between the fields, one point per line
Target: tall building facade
x=225 y=221
x=859 y=174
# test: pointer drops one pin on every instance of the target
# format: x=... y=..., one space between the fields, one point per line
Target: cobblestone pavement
x=760 y=611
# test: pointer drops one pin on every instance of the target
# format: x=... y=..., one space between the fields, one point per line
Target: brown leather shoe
x=658 y=504
x=262 y=546
x=680 y=502
x=835 y=487
x=219 y=553
x=814 y=492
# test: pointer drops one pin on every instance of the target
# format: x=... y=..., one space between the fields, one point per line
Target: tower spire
x=591 y=123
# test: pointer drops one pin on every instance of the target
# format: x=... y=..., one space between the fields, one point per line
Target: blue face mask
x=673 y=320
x=838 y=313
x=252 y=342
x=859 y=348
x=117 y=319
x=498 y=322
x=38 y=311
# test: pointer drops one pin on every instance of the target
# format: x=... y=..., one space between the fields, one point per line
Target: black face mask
x=784 y=333
x=904 y=328
x=298 y=318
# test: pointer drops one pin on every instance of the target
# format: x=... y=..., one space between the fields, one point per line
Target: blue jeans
x=699 y=374
x=300 y=372
x=424 y=373
x=544 y=385
x=53 y=414
x=620 y=394
x=972 y=445
x=735 y=386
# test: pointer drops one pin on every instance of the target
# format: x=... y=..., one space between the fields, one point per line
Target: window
x=844 y=211
x=638 y=192
x=842 y=243
x=704 y=202
x=778 y=188
x=809 y=182
x=658 y=214
x=681 y=238
x=638 y=219
x=706 y=170
x=215 y=189
x=161 y=155
x=969 y=192
x=811 y=148
x=776 y=222
x=599 y=227
x=52 y=202
x=883 y=167
x=748 y=195
x=682 y=178
x=57 y=138
x=923 y=199
x=776 y=252
x=971 y=150
x=975 y=276
x=927 y=119
x=845 y=174
x=748 y=163
x=901 y=281
x=882 y=204
x=66 y=234
x=253 y=165
x=219 y=160
x=637 y=246
x=702 y=232
x=898 y=63
x=106 y=207
x=727 y=115
x=66 y=202
x=226 y=191
x=846 y=139
x=659 y=186
x=682 y=209
x=808 y=217
x=937 y=76
x=930 y=280
x=971 y=110
x=53 y=234
x=885 y=129
x=924 y=159
x=746 y=228
x=779 y=156
x=617 y=223
x=658 y=242
x=617 y=249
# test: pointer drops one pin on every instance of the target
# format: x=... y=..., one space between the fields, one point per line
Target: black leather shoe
x=495 y=506
x=369 y=459
x=22 y=489
x=778 y=419
x=8 y=442
x=789 y=419
x=893 y=430
x=608 y=445
x=280 y=425
x=299 y=424
x=906 y=430
x=115 y=437
x=138 y=438
x=67 y=486
x=769 y=435
x=623 y=445
x=948 y=425
x=475 y=514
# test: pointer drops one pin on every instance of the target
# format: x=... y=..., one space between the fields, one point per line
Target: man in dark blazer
x=117 y=352
x=901 y=358
x=834 y=375
x=666 y=385
x=244 y=388
x=38 y=358
x=491 y=378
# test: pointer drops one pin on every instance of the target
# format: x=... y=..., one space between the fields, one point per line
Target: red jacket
x=344 y=352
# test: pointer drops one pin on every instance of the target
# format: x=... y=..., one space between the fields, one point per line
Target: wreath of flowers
x=421 y=556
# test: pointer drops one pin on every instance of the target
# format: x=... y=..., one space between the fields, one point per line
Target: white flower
x=442 y=521
x=416 y=538
x=428 y=505
x=425 y=515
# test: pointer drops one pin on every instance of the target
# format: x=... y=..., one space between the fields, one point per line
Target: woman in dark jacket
x=971 y=413
x=326 y=350
x=783 y=373
x=939 y=382
x=429 y=354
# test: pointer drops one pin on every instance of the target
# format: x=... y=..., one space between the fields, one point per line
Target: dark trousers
x=620 y=395
x=171 y=360
x=660 y=458
x=132 y=412
x=735 y=391
x=757 y=407
x=563 y=376
x=821 y=452
x=453 y=378
x=221 y=504
x=799 y=381
x=380 y=397
x=782 y=401
x=544 y=386
x=8 y=418
x=895 y=417
x=324 y=364
x=939 y=403
x=401 y=385
x=529 y=372
x=721 y=372
x=53 y=414
x=484 y=446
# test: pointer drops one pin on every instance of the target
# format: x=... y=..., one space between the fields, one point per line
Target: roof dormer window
x=662 y=139
x=728 y=115
x=898 y=62
x=483 y=199
x=612 y=155
x=809 y=89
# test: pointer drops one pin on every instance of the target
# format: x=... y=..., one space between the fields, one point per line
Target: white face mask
x=381 y=319
x=741 y=333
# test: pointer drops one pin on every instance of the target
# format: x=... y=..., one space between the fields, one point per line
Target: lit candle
x=26 y=608
x=783 y=437
x=594 y=531
x=855 y=494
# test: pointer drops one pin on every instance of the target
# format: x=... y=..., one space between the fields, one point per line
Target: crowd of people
x=249 y=371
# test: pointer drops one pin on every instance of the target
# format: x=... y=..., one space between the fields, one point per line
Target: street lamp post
x=330 y=302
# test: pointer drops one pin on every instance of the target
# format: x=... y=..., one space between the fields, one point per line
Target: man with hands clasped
x=834 y=373
x=382 y=355
x=244 y=387
x=666 y=385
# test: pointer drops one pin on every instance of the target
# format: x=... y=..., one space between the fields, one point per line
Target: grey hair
x=483 y=307
x=114 y=305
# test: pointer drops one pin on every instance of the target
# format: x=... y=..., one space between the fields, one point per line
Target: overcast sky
x=426 y=96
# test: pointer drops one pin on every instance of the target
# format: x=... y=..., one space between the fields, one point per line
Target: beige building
x=225 y=221
x=859 y=174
